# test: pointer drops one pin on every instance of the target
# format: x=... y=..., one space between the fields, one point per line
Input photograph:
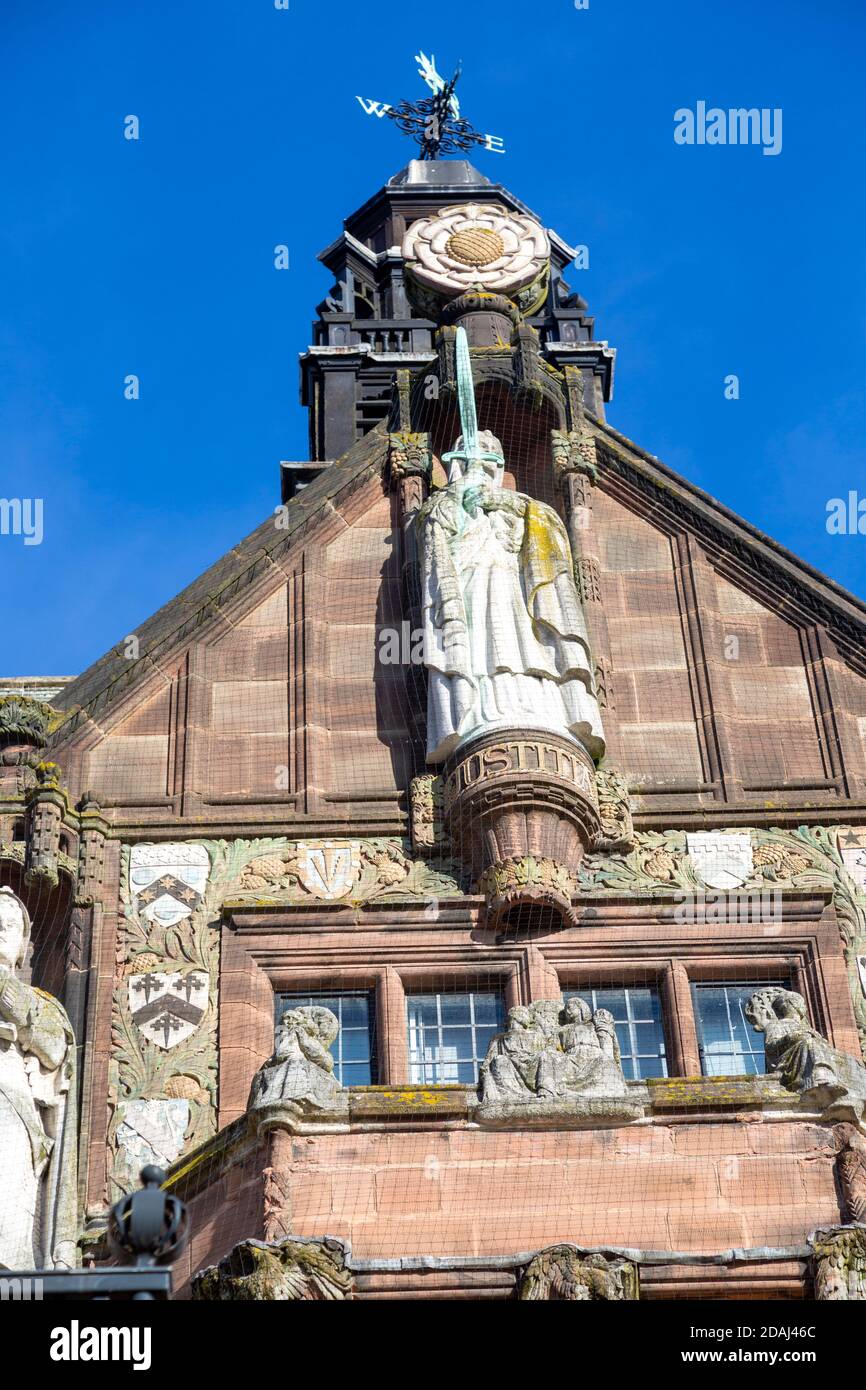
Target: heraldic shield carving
x=167 y=881
x=328 y=868
x=168 y=1006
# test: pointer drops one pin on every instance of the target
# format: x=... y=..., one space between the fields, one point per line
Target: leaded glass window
x=638 y=1019
x=449 y=1035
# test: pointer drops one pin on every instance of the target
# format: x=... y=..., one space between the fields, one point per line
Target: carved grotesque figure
x=829 y=1080
x=38 y=1214
x=564 y=1274
x=301 y=1071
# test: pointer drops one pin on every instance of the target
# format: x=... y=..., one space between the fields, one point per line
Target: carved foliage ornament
x=425 y=810
x=514 y=875
x=809 y=858
x=840 y=1264
x=335 y=870
x=614 y=808
x=568 y=1275
x=282 y=1271
x=409 y=455
x=574 y=451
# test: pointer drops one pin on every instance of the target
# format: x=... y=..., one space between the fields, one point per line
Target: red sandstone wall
x=693 y=1187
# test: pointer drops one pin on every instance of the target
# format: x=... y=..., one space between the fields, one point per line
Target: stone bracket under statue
x=521 y=808
x=512 y=715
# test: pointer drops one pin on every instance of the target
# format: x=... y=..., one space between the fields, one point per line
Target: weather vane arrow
x=434 y=122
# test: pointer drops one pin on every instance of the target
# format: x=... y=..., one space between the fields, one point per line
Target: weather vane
x=435 y=122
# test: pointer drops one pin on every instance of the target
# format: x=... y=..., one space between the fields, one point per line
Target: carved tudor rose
x=479 y=245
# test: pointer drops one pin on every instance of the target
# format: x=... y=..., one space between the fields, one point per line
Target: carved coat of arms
x=167 y=1006
x=167 y=881
x=852 y=847
x=328 y=868
x=723 y=861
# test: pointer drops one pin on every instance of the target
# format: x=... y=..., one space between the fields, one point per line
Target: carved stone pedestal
x=521 y=810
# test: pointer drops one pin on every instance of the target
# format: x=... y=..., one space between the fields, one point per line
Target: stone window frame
x=397 y=950
x=674 y=974
x=250 y=978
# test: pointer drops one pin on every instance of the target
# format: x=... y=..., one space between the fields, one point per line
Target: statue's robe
x=810 y=1064
x=38 y=1196
x=505 y=640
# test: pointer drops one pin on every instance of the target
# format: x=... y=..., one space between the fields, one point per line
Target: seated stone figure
x=301 y=1071
x=587 y=1060
x=553 y=1053
x=806 y=1062
x=511 y=1066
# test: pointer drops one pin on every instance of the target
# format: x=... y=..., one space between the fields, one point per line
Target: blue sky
x=155 y=257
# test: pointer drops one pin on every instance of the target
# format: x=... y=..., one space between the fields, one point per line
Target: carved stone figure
x=563 y=1274
x=585 y=1059
x=614 y=808
x=505 y=640
x=829 y=1080
x=38 y=1197
x=839 y=1264
x=556 y=1058
x=851 y=1172
x=280 y=1271
x=510 y=1069
x=300 y=1075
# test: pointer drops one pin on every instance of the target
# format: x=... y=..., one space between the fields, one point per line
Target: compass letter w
x=374 y=108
